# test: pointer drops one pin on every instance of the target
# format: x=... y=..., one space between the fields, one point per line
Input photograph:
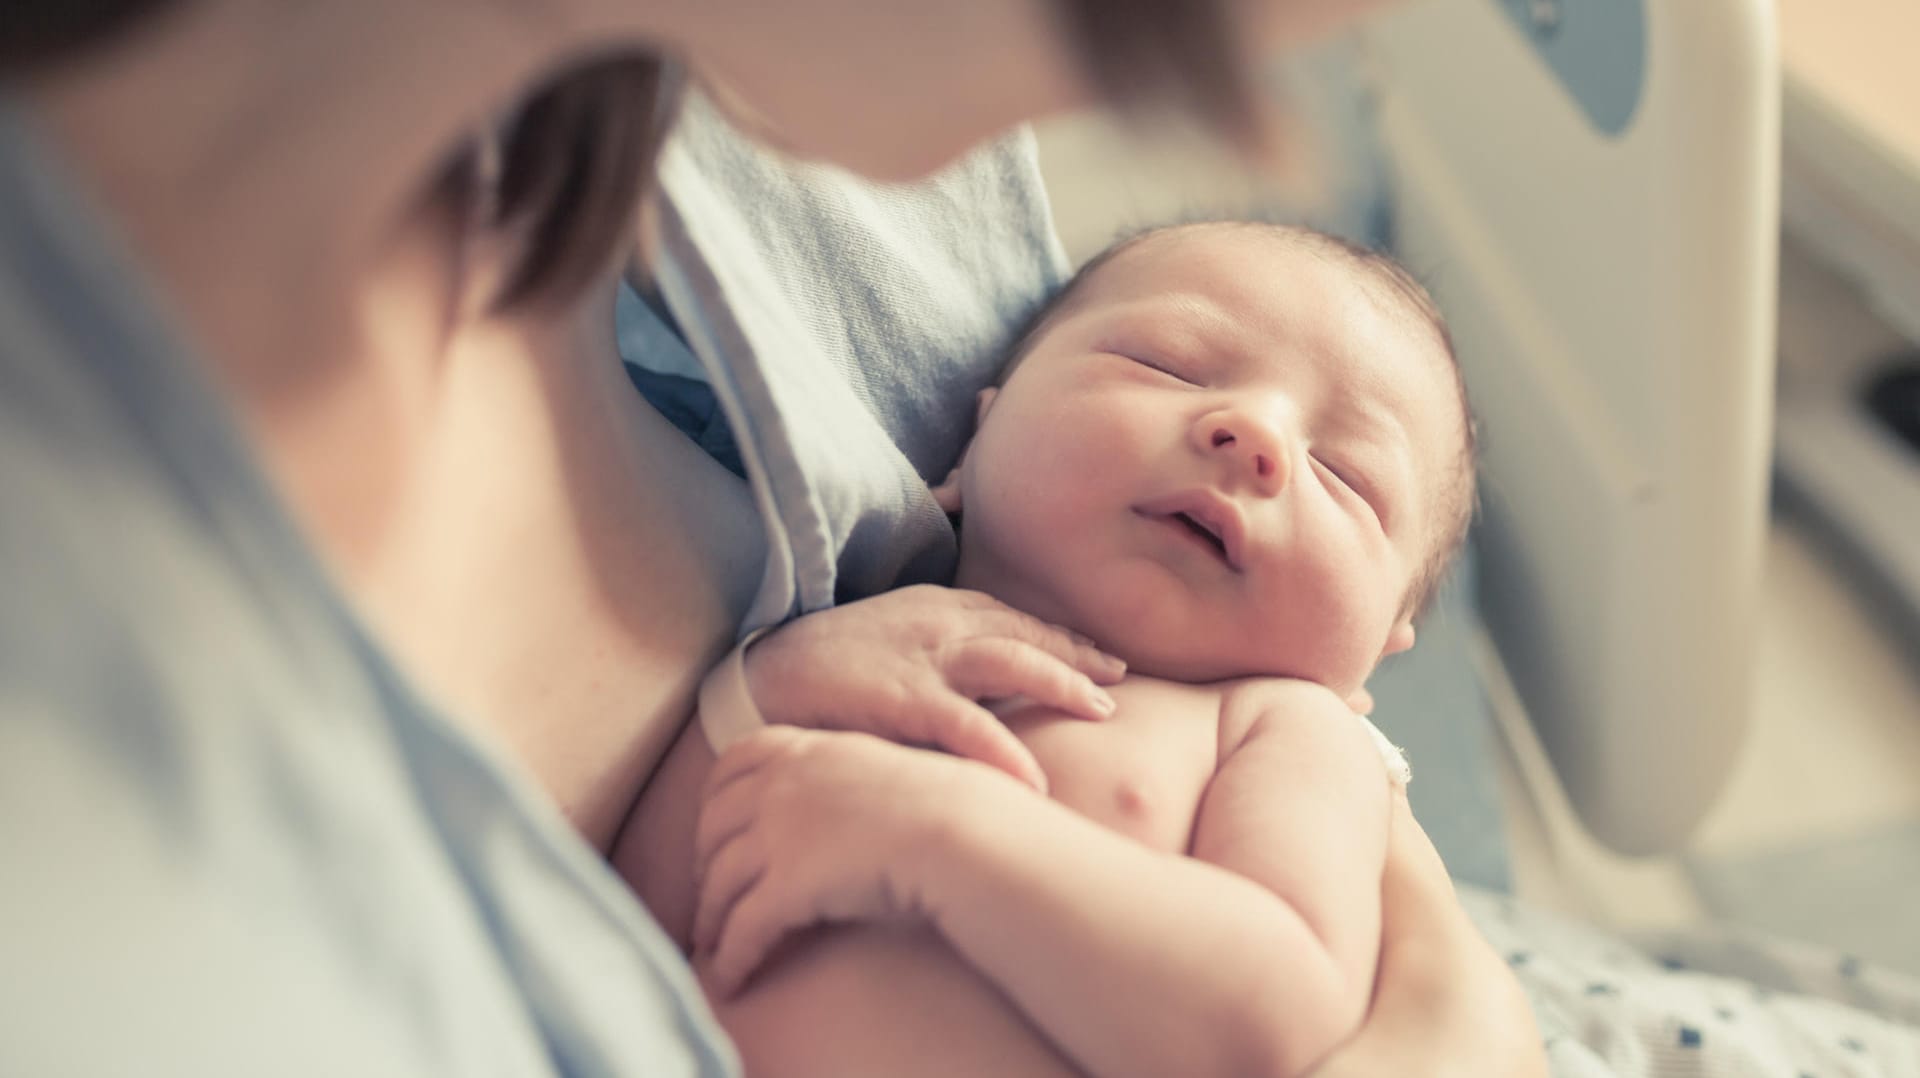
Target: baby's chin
x=1154 y=638
x=1169 y=661
x=1150 y=649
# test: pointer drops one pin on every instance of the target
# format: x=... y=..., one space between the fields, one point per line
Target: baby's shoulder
x=1312 y=716
x=1252 y=703
x=1274 y=695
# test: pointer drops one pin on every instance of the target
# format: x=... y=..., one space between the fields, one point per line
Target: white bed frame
x=1612 y=298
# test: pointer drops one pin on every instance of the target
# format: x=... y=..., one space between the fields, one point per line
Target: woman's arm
x=1132 y=961
x=1444 y=1004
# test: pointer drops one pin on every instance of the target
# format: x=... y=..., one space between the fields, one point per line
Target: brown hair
x=1179 y=55
x=1456 y=503
x=34 y=33
x=575 y=164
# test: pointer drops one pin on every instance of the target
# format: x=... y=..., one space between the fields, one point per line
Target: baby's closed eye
x=1354 y=482
x=1176 y=368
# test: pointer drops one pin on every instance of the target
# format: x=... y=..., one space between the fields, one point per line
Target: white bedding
x=1716 y=1003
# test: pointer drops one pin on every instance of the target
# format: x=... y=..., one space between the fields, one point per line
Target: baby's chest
x=1142 y=772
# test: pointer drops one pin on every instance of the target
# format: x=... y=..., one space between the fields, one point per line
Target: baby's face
x=1225 y=458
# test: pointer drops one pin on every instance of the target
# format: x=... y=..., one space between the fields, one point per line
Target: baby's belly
x=895 y=1002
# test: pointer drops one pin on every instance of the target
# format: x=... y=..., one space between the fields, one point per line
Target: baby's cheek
x=1331 y=608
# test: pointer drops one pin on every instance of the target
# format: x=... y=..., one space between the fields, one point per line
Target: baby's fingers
x=745 y=757
x=751 y=929
x=727 y=875
x=730 y=808
x=997 y=667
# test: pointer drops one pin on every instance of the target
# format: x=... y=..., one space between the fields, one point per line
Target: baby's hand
x=801 y=828
x=913 y=665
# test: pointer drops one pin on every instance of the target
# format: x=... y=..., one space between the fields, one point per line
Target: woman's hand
x=802 y=827
x=1443 y=1001
x=913 y=665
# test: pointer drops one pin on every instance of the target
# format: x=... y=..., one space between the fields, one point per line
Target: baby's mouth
x=1207 y=517
x=1197 y=529
x=1200 y=528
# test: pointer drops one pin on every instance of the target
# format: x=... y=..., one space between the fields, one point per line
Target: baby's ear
x=947 y=494
x=1400 y=639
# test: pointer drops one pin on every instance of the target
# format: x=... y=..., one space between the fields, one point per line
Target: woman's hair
x=574 y=166
x=37 y=32
x=1179 y=56
x=578 y=156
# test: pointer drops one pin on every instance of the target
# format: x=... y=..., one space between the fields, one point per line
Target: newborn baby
x=1236 y=456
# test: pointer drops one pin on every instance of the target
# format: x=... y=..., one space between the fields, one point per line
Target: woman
x=235 y=837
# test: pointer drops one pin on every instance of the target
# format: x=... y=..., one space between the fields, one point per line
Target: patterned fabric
x=1714 y=1002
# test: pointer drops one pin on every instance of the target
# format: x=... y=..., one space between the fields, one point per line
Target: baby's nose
x=1254 y=443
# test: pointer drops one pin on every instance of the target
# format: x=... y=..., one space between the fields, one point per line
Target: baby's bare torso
x=899 y=1002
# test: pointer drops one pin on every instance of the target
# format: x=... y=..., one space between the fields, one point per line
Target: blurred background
x=1816 y=832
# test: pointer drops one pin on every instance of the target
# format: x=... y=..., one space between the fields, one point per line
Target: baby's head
x=1225 y=450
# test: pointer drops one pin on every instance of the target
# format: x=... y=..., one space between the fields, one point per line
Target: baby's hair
x=1454 y=513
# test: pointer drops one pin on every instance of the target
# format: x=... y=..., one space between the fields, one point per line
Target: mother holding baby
x=312 y=411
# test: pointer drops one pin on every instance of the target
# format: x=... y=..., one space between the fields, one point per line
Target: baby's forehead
x=1247 y=270
x=1272 y=291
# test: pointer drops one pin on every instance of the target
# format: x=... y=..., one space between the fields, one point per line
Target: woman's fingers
x=1071 y=648
x=991 y=667
x=1444 y=1003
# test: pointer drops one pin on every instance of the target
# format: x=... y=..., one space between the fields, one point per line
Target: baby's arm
x=1163 y=968
x=1254 y=956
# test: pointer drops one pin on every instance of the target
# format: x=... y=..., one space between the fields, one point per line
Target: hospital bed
x=1597 y=212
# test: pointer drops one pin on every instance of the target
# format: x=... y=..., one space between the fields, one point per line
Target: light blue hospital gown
x=232 y=838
